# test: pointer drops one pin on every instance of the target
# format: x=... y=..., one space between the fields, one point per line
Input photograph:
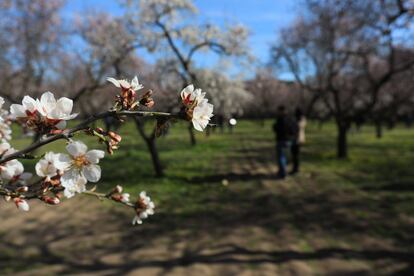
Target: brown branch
x=82 y=126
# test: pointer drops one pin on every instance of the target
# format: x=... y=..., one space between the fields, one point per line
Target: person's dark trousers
x=281 y=148
x=295 y=151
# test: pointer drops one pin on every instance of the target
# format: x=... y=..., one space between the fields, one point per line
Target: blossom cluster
x=196 y=107
x=67 y=174
x=44 y=114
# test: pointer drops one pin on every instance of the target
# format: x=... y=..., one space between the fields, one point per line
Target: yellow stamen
x=80 y=161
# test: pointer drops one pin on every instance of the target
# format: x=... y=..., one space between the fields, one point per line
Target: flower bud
x=21 y=204
x=51 y=200
x=116 y=197
x=118 y=189
x=147 y=100
x=99 y=130
x=22 y=189
x=114 y=136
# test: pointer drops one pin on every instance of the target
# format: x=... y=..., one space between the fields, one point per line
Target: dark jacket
x=285 y=128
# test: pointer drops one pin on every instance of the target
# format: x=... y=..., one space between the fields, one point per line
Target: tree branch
x=82 y=126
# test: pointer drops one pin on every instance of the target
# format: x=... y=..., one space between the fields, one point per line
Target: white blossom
x=145 y=208
x=202 y=114
x=5 y=131
x=46 y=111
x=125 y=84
x=73 y=183
x=11 y=169
x=28 y=108
x=82 y=167
x=51 y=163
x=191 y=96
x=197 y=106
x=5 y=148
x=57 y=112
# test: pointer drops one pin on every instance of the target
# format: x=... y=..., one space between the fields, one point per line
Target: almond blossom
x=51 y=164
x=56 y=112
x=201 y=115
x=127 y=97
x=144 y=208
x=11 y=169
x=197 y=107
x=27 y=109
x=82 y=167
x=125 y=84
x=191 y=96
x=5 y=131
x=43 y=113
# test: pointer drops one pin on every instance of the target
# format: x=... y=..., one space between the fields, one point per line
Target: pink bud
x=23 y=189
x=51 y=200
x=118 y=189
x=21 y=204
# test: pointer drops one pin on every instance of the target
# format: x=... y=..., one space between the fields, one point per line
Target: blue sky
x=263 y=17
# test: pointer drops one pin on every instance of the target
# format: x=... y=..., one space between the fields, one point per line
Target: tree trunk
x=342 y=143
x=192 y=135
x=378 y=129
x=155 y=157
x=152 y=147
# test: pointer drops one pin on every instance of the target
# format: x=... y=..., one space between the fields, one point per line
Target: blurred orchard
x=351 y=61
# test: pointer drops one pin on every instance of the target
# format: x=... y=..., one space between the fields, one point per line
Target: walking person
x=298 y=140
x=286 y=130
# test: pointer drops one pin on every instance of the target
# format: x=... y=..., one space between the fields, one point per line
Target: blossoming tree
x=68 y=174
x=164 y=27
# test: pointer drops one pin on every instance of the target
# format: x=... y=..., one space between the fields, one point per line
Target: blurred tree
x=346 y=51
x=171 y=27
x=31 y=43
x=229 y=96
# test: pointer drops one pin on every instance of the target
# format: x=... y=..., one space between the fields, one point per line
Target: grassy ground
x=221 y=211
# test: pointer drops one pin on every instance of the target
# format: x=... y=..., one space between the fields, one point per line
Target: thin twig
x=67 y=133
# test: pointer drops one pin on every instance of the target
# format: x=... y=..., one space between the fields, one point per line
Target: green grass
x=331 y=204
x=378 y=172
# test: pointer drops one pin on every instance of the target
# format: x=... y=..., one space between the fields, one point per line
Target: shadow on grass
x=336 y=215
x=234 y=254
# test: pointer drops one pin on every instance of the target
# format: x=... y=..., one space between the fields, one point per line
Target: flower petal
x=17 y=111
x=114 y=82
x=93 y=156
x=29 y=103
x=73 y=182
x=187 y=90
x=92 y=172
x=197 y=125
x=64 y=105
x=76 y=148
x=48 y=102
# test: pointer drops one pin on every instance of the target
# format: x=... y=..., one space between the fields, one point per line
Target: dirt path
x=269 y=227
